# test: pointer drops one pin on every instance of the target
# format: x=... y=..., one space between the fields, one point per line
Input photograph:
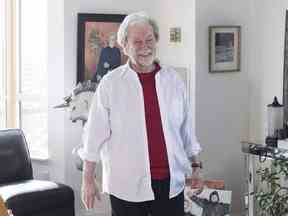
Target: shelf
x=258 y=148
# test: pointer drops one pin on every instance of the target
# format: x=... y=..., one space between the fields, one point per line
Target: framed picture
x=208 y=202
x=97 y=49
x=224 y=48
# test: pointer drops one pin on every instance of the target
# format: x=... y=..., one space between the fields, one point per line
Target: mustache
x=145 y=52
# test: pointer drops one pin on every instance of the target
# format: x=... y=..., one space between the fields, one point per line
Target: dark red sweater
x=159 y=166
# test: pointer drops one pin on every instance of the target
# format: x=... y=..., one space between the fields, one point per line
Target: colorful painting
x=98 y=51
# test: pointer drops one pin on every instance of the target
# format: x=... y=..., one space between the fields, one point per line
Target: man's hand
x=89 y=189
x=196 y=180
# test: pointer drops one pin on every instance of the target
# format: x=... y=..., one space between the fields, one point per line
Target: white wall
x=177 y=14
x=54 y=168
x=56 y=92
x=266 y=61
x=222 y=99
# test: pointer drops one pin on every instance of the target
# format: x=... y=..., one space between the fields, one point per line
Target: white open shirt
x=115 y=133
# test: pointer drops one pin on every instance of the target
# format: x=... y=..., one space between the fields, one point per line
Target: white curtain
x=3 y=22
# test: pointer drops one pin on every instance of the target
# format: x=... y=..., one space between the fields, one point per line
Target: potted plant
x=271 y=194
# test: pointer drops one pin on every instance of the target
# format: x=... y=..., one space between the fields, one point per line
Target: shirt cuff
x=194 y=151
x=88 y=156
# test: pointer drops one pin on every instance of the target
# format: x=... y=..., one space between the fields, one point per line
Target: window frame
x=14 y=96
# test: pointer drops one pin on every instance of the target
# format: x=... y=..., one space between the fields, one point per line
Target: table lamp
x=275 y=122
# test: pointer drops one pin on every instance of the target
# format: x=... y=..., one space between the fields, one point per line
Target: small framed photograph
x=97 y=49
x=208 y=202
x=224 y=48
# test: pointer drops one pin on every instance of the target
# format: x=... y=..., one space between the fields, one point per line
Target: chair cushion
x=33 y=196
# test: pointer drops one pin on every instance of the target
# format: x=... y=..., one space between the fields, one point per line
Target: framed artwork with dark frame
x=224 y=48
x=97 y=49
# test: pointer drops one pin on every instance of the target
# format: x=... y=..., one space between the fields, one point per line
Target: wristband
x=197 y=164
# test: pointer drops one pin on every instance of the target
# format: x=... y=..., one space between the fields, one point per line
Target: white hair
x=135 y=18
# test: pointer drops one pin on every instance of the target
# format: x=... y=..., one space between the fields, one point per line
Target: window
x=2 y=66
x=26 y=78
x=33 y=99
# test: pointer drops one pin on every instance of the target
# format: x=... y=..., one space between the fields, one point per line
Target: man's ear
x=126 y=48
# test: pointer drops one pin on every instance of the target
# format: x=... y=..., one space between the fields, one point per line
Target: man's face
x=141 y=44
x=112 y=41
x=214 y=198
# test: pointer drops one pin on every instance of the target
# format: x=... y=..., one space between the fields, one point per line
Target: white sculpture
x=79 y=101
x=78 y=104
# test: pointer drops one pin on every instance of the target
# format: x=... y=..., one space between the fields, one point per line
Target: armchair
x=22 y=194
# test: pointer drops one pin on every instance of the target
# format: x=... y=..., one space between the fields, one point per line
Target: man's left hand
x=196 y=181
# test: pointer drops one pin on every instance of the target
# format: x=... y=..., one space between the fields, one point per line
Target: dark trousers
x=161 y=206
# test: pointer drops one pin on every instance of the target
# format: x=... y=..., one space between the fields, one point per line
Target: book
x=208 y=202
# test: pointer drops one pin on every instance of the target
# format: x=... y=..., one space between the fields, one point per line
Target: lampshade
x=275 y=118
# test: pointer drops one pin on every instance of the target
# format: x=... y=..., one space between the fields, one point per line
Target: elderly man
x=140 y=128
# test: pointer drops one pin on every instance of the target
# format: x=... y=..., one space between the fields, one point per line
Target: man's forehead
x=142 y=28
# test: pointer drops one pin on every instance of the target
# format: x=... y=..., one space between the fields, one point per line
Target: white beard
x=143 y=58
x=146 y=61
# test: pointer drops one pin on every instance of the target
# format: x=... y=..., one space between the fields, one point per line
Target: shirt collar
x=130 y=69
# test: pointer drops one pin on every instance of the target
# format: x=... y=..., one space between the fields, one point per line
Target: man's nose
x=144 y=44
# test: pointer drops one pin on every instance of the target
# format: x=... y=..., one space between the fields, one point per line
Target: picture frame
x=224 y=48
x=95 y=34
x=208 y=202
